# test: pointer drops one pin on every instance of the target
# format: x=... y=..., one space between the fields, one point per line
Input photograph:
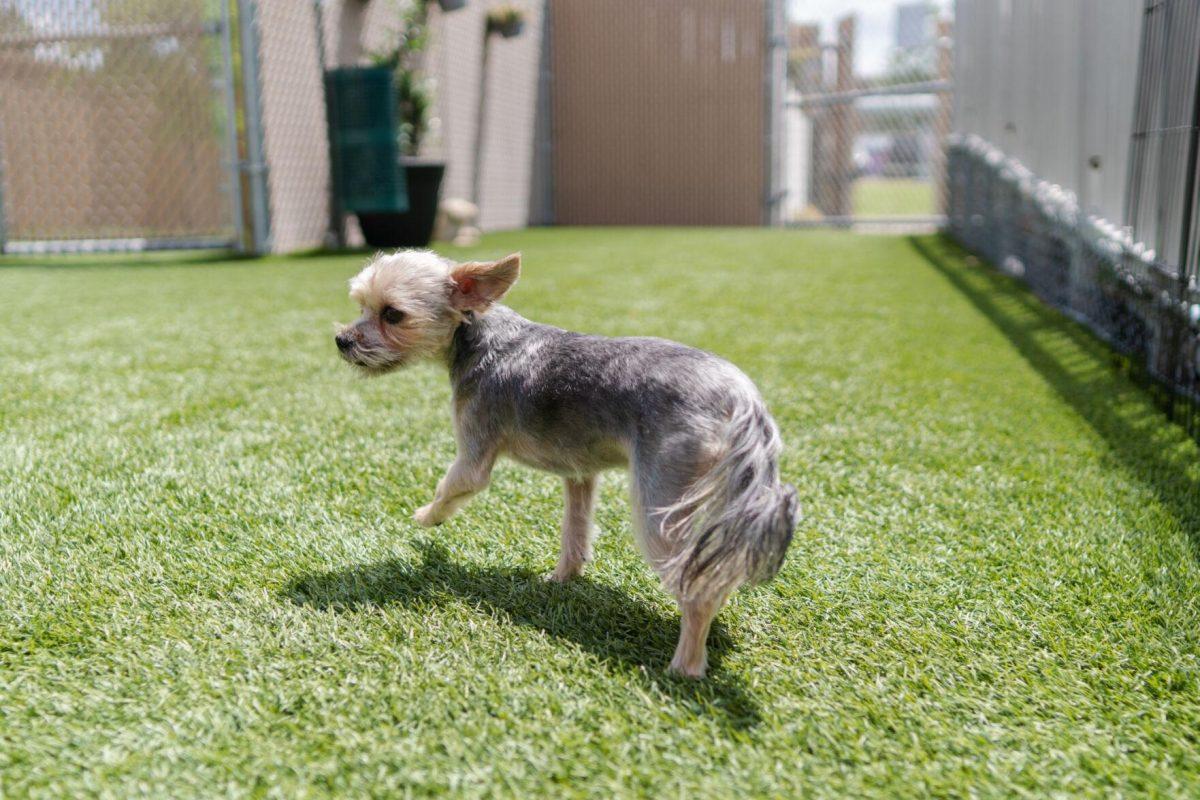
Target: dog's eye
x=392 y=316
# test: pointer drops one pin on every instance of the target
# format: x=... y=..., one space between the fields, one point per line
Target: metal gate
x=867 y=114
x=117 y=125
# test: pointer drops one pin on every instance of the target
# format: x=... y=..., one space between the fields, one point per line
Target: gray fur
x=709 y=509
x=591 y=403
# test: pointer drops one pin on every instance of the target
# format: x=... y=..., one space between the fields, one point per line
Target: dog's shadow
x=603 y=620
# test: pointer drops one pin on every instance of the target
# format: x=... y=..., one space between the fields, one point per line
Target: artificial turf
x=894 y=197
x=210 y=585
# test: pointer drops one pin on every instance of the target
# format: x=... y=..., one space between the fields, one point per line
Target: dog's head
x=412 y=301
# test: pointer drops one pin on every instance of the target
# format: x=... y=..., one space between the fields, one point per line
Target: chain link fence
x=868 y=108
x=149 y=124
x=115 y=125
x=1057 y=227
x=137 y=124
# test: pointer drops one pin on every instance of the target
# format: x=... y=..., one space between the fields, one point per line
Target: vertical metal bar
x=337 y=229
x=544 y=130
x=231 y=133
x=1189 y=188
x=941 y=125
x=1133 y=168
x=843 y=124
x=3 y=225
x=255 y=166
x=481 y=122
x=1162 y=124
x=319 y=24
x=1185 y=388
x=774 y=77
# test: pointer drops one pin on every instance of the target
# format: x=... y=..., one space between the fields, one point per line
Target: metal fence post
x=941 y=128
x=336 y=235
x=3 y=227
x=233 y=164
x=843 y=121
x=774 y=88
x=255 y=165
x=542 y=208
x=481 y=113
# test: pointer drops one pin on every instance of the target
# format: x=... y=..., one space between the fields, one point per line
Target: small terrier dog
x=709 y=510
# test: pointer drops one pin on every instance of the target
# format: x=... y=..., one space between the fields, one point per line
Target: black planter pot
x=451 y=5
x=508 y=29
x=412 y=228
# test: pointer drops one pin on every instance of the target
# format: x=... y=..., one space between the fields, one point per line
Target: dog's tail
x=735 y=523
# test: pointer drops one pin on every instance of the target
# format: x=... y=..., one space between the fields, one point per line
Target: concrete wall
x=510 y=183
x=1052 y=82
x=295 y=140
x=510 y=177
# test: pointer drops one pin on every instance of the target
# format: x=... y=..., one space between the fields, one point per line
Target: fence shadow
x=601 y=619
x=1086 y=373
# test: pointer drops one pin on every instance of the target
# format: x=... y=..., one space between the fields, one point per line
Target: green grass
x=210 y=584
x=893 y=197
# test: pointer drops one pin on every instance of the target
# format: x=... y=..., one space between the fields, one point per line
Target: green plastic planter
x=361 y=109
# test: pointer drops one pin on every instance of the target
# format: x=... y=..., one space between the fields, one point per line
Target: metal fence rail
x=116 y=128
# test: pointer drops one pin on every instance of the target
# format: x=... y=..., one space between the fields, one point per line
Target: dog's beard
x=372 y=361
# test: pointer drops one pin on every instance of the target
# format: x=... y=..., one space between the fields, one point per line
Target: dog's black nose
x=344 y=342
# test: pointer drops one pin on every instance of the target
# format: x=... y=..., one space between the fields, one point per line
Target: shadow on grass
x=1081 y=369
x=601 y=619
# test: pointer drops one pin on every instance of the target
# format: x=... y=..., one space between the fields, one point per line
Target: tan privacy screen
x=658 y=112
x=112 y=122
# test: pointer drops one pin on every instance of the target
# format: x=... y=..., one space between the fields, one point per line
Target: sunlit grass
x=210 y=584
x=893 y=197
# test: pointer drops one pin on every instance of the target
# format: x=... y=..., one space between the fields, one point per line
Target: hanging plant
x=414 y=99
x=507 y=20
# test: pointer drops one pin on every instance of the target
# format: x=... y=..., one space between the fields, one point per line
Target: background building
x=914 y=25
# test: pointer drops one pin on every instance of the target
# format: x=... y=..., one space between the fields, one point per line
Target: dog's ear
x=478 y=284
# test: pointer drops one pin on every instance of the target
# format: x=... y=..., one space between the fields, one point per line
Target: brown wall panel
x=95 y=154
x=658 y=111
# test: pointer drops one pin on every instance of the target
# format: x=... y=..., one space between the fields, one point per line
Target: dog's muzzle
x=345 y=343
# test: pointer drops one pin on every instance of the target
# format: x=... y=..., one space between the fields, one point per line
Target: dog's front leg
x=468 y=475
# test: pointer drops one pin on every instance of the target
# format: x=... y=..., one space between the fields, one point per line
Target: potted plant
x=508 y=20
x=423 y=176
x=451 y=5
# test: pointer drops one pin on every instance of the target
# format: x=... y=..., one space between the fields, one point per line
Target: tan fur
x=489 y=280
x=691 y=655
x=428 y=289
x=576 y=528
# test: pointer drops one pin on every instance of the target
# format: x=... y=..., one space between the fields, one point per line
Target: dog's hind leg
x=691 y=654
x=660 y=481
x=576 y=528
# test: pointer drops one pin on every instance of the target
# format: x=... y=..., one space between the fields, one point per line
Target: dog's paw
x=568 y=569
x=562 y=576
x=691 y=671
x=425 y=517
